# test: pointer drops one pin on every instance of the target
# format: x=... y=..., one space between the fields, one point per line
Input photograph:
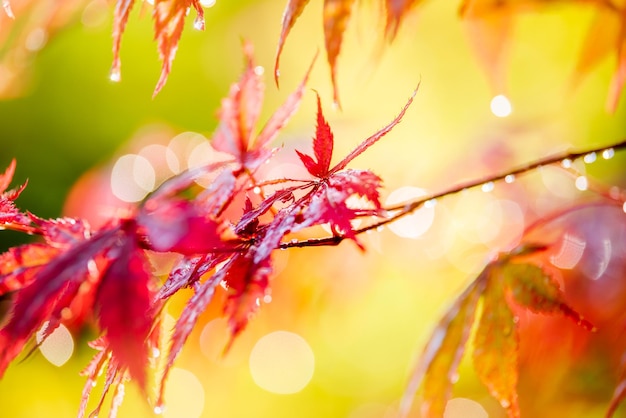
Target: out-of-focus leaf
x=92 y=371
x=239 y=116
x=436 y=371
x=246 y=282
x=169 y=20
x=322 y=147
x=395 y=12
x=122 y=11
x=618 y=394
x=532 y=288
x=496 y=346
x=188 y=271
x=19 y=265
x=179 y=225
x=336 y=16
x=293 y=9
x=49 y=291
x=187 y=320
x=123 y=302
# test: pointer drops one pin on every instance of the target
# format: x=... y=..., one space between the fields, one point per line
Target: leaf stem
x=413 y=205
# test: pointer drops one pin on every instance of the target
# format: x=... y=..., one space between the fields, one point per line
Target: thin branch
x=411 y=206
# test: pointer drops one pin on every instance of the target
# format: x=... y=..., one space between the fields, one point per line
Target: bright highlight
x=58 y=347
x=501 y=106
x=282 y=362
x=464 y=408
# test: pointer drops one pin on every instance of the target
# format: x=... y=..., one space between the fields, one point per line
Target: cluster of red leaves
x=111 y=265
x=524 y=279
x=490 y=28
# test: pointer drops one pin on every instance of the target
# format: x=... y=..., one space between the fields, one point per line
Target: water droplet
x=510 y=178
x=158 y=410
x=581 y=183
x=566 y=163
x=198 y=23
x=608 y=153
x=257 y=302
x=207 y=3
x=380 y=228
x=294 y=241
x=501 y=106
x=156 y=352
x=259 y=70
x=487 y=187
x=454 y=378
x=430 y=203
x=505 y=403
x=115 y=75
x=93 y=384
x=589 y=158
x=256 y=190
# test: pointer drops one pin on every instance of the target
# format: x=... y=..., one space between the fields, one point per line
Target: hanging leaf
x=336 y=16
x=395 y=12
x=496 y=346
x=292 y=11
x=123 y=302
x=169 y=20
x=120 y=18
x=437 y=369
x=532 y=288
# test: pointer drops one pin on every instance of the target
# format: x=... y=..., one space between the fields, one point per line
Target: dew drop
x=487 y=187
x=158 y=410
x=581 y=183
x=198 y=23
x=505 y=403
x=257 y=302
x=156 y=352
x=294 y=241
x=93 y=384
x=430 y=203
x=510 y=178
x=566 y=163
x=590 y=158
x=256 y=190
x=115 y=75
x=259 y=70
x=608 y=153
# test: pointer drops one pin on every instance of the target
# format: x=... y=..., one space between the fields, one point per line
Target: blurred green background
x=364 y=316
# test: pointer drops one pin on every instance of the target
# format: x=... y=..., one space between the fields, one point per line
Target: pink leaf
x=240 y=111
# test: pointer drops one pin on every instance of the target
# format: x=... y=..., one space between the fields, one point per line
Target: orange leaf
x=169 y=20
x=437 y=368
x=496 y=346
x=336 y=15
x=489 y=31
x=619 y=77
x=396 y=10
x=290 y=15
x=532 y=288
x=122 y=11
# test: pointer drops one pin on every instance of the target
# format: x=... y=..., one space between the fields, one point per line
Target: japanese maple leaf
x=10 y=216
x=51 y=289
x=240 y=112
x=169 y=20
x=123 y=302
x=336 y=16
